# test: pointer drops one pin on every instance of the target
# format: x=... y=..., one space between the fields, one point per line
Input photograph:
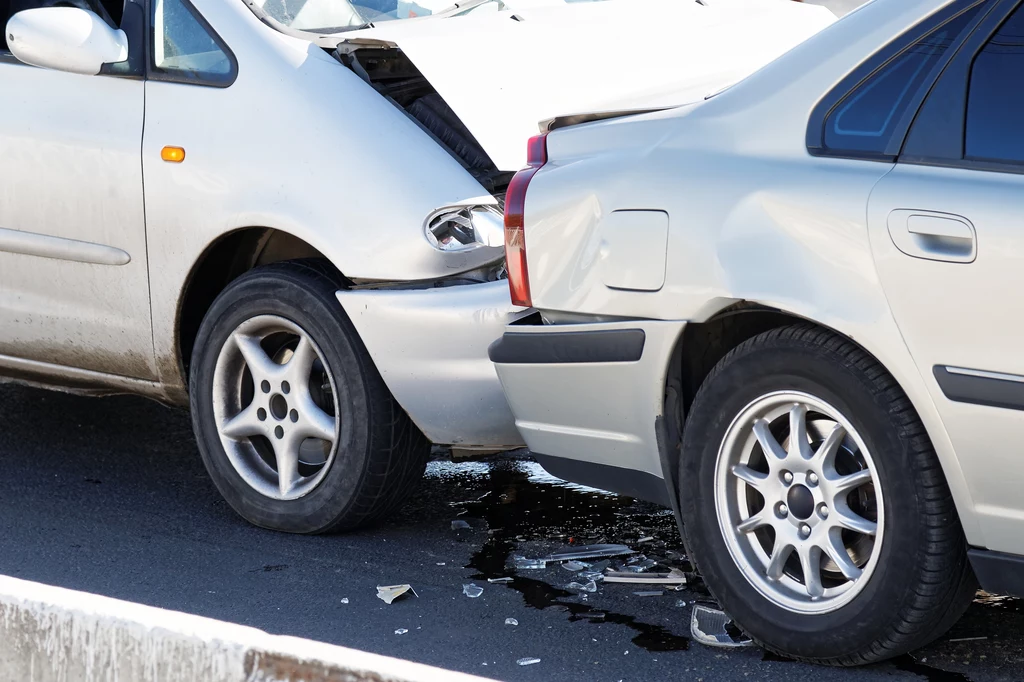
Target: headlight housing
x=463 y=228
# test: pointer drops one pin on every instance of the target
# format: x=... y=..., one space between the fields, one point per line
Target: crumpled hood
x=502 y=72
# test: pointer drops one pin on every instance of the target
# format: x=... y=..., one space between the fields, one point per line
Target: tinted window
x=183 y=47
x=867 y=118
x=995 y=102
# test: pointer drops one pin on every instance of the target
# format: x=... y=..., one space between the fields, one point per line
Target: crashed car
x=287 y=214
x=787 y=312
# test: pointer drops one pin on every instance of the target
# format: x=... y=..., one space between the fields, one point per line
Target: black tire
x=922 y=582
x=380 y=456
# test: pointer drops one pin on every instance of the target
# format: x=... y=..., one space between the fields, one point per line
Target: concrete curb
x=50 y=634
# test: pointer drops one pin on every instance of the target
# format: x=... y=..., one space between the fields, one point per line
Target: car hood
x=502 y=72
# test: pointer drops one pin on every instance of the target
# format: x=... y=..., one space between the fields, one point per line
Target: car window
x=184 y=48
x=866 y=119
x=995 y=100
x=108 y=10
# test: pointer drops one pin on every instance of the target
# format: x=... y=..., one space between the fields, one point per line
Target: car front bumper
x=587 y=398
x=430 y=346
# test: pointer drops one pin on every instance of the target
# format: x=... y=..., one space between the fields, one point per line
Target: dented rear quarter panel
x=752 y=217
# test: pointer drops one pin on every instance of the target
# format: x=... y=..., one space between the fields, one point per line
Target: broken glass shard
x=714 y=628
x=511 y=621
x=523 y=562
x=401 y=631
x=459 y=524
x=574 y=566
x=472 y=590
x=527 y=661
x=587 y=552
x=390 y=593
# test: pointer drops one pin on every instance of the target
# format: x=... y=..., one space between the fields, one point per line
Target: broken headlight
x=461 y=228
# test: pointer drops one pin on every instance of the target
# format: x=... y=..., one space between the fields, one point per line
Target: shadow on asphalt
x=110 y=496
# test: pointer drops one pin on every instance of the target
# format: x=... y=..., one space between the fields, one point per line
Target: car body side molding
x=993 y=389
x=629 y=482
x=605 y=345
x=46 y=246
x=998 y=572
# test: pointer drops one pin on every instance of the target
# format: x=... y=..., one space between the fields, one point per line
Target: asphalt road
x=109 y=496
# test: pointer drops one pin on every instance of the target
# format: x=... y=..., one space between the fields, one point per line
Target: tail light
x=515 y=203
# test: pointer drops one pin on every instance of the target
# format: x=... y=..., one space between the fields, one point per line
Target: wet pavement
x=109 y=496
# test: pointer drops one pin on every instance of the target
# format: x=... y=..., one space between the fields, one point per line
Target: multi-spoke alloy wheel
x=797 y=502
x=294 y=423
x=813 y=504
x=275 y=409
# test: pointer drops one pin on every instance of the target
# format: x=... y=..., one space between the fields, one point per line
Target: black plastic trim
x=153 y=73
x=815 y=137
x=998 y=572
x=988 y=391
x=604 y=345
x=629 y=482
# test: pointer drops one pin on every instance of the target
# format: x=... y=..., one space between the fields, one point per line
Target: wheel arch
x=226 y=258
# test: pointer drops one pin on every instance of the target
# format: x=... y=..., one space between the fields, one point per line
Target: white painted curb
x=49 y=634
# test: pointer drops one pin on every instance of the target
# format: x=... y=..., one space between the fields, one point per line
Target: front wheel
x=293 y=421
x=815 y=506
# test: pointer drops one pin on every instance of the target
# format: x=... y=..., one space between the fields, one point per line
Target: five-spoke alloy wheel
x=294 y=423
x=814 y=505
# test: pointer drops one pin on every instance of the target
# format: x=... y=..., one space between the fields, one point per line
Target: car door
x=947 y=231
x=74 y=286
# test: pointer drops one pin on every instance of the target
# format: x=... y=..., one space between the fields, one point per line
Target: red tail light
x=515 y=204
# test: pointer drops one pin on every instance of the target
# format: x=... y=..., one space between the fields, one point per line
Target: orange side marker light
x=172 y=154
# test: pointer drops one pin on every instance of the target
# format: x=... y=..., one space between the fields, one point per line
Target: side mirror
x=65 y=39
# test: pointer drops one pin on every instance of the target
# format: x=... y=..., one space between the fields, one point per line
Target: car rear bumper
x=430 y=346
x=588 y=397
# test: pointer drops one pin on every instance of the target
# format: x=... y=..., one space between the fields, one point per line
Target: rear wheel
x=293 y=421
x=815 y=506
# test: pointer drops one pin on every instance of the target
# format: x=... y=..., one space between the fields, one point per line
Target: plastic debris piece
x=649 y=593
x=459 y=524
x=711 y=627
x=523 y=562
x=574 y=566
x=344 y=600
x=401 y=631
x=588 y=552
x=500 y=580
x=673 y=577
x=511 y=621
x=390 y=593
x=472 y=590
x=527 y=661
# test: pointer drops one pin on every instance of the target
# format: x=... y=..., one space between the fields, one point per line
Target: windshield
x=333 y=16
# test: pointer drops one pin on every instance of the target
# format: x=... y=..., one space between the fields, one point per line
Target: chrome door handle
x=933 y=236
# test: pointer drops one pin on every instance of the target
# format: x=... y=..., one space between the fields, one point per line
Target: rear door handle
x=933 y=236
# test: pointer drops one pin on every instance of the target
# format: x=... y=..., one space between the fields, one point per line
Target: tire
x=914 y=579
x=311 y=446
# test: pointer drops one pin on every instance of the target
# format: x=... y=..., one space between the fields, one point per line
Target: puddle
x=530 y=512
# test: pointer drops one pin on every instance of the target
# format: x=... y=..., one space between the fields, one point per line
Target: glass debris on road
x=500 y=580
x=524 y=563
x=575 y=566
x=574 y=586
x=344 y=600
x=714 y=628
x=390 y=593
x=672 y=577
x=649 y=593
x=401 y=631
x=527 y=661
x=459 y=524
x=472 y=590
x=587 y=552
x=511 y=621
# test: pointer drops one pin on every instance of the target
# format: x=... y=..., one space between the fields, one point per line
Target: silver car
x=790 y=312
